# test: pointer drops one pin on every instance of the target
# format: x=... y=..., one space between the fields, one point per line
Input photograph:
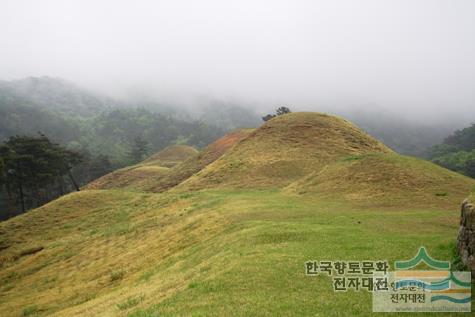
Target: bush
x=278 y=112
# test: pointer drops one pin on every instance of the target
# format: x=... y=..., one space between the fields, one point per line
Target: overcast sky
x=412 y=55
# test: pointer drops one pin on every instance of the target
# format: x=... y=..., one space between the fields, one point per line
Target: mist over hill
x=103 y=129
x=56 y=95
x=67 y=113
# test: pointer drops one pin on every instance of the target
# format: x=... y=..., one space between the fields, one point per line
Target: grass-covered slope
x=385 y=179
x=318 y=154
x=284 y=149
x=230 y=250
x=171 y=156
x=196 y=163
x=218 y=253
x=169 y=167
x=92 y=244
x=134 y=177
x=144 y=174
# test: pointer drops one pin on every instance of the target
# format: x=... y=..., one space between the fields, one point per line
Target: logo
x=434 y=290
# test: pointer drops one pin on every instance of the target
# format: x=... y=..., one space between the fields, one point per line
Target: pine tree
x=282 y=110
x=139 y=149
x=32 y=164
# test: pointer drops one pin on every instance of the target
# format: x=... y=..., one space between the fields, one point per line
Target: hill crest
x=284 y=149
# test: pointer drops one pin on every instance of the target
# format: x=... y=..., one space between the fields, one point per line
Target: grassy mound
x=283 y=150
x=208 y=155
x=385 y=179
x=145 y=174
x=135 y=177
x=184 y=161
x=171 y=156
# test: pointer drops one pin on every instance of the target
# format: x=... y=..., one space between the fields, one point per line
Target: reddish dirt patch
x=220 y=146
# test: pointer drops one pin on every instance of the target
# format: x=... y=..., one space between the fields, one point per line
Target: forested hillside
x=67 y=113
x=457 y=152
x=107 y=134
x=90 y=123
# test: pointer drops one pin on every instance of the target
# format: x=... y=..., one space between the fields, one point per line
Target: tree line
x=34 y=170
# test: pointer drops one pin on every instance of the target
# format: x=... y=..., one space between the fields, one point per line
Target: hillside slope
x=195 y=164
x=285 y=149
x=169 y=167
x=171 y=156
x=385 y=179
x=236 y=244
x=328 y=157
x=144 y=174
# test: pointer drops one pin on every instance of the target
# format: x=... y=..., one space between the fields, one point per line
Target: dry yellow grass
x=100 y=248
x=169 y=167
x=134 y=177
x=171 y=156
x=385 y=179
x=283 y=150
x=193 y=165
x=144 y=174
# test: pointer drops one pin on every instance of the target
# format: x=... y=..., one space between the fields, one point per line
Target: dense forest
x=457 y=151
x=33 y=170
x=86 y=122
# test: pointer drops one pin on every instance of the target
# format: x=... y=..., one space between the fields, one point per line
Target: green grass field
x=207 y=253
x=271 y=237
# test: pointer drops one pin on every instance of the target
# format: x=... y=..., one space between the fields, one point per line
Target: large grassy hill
x=285 y=149
x=226 y=232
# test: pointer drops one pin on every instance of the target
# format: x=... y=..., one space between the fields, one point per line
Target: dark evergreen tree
x=470 y=168
x=282 y=110
x=278 y=112
x=268 y=117
x=32 y=165
x=100 y=166
x=139 y=149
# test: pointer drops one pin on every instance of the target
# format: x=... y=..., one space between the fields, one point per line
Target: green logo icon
x=422 y=256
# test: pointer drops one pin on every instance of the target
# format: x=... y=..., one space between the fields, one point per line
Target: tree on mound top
x=282 y=110
x=278 y=112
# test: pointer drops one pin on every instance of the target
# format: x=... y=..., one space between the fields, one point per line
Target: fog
x=414 y=57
